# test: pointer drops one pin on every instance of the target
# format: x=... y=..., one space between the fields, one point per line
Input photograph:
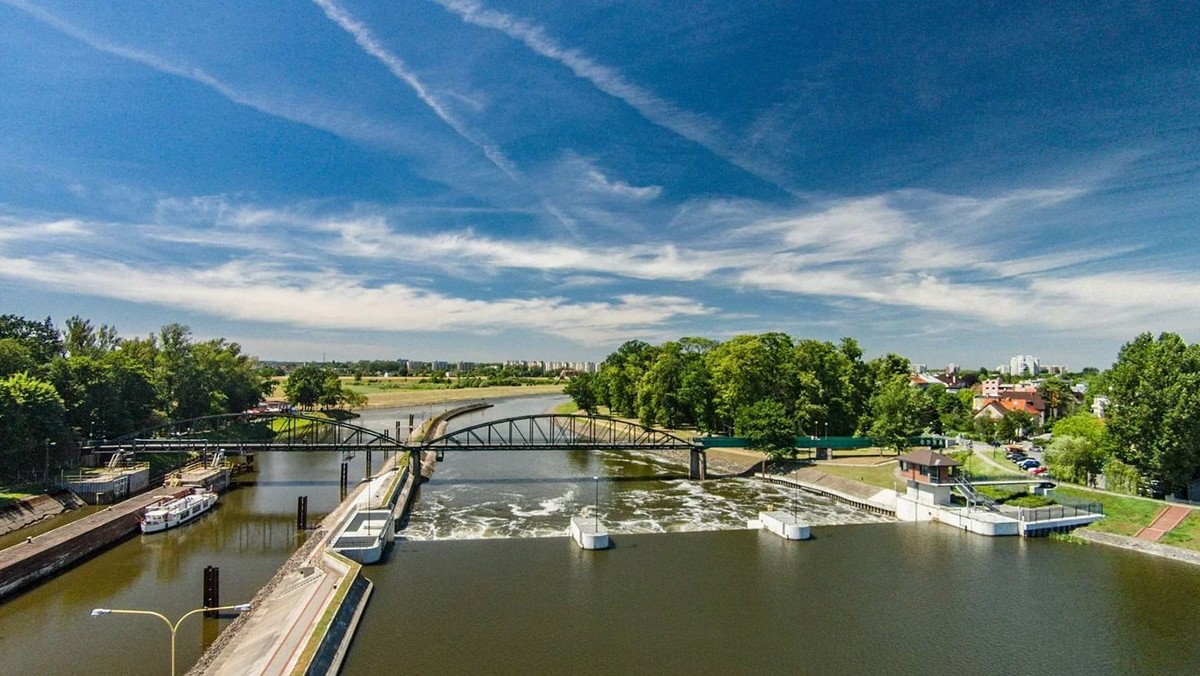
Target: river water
x=469 y=586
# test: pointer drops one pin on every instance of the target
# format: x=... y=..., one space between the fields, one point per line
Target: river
x=470 y=587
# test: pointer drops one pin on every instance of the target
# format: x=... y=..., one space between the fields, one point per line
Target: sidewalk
x=1167 y=519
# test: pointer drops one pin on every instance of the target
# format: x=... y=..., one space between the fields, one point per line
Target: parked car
x=1039 y=470
x=1028 y=464
x=1016 y=457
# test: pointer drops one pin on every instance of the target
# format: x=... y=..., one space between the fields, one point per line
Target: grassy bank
x=1186 y=534
x=1123 y=515
x=881 y=476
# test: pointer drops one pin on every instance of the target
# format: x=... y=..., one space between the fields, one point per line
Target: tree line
x=768 y=387
x=1149 y=438
x=59 y=388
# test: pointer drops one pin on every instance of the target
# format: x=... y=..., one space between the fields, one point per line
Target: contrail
x=692 y=126
x=339 y=125
x=362 y=35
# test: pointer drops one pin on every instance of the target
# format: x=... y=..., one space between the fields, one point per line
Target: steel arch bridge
x=557 y=432
x=266 y=431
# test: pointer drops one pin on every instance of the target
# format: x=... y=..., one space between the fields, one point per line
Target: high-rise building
x=1024 y=365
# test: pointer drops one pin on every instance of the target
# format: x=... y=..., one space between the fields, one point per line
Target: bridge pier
x=414 y=463
x=699 y=464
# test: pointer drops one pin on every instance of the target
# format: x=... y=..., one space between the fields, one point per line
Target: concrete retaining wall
x=22 y=513
x=49 y=559
x=340 y=631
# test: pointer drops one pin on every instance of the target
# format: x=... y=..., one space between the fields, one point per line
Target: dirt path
x=1166 y=520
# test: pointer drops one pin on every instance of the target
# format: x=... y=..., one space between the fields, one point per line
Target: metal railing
x=1058 y=511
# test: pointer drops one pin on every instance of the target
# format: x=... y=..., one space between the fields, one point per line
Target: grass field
x=1123 y=515
x=1186 y=534
x=882 y=476
x=397 y=398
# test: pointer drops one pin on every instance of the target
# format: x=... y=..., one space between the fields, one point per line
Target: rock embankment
x=26 y=512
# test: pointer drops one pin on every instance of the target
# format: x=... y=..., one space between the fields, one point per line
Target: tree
x=31 y=424
x=1059 y=398
x=620 y=374
x=40 y=338
x=747 y=369
x=766 y=427
x=1154 y=388
x=305 y=385
x=582 y=391
x=15 y=357
x=1083 y=425
x=1014 y=425
x=80 y=339
x=896 y=414
x=1075 y=459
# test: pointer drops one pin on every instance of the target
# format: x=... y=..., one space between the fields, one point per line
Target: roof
x=928 y=458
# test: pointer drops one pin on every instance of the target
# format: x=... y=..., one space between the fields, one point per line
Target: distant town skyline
x=483 y=180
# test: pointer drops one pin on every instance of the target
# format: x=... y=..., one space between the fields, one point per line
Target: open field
x=398 y=398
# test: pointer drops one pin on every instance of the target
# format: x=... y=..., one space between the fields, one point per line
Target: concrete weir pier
x=786 y=526
x=589 y=533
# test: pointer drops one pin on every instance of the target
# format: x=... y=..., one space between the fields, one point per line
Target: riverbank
x=1138 y=545
x=27 y=511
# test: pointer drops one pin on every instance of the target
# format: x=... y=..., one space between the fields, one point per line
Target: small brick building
x=928 y=476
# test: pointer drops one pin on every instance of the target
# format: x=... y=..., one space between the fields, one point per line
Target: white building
x=1024 y=365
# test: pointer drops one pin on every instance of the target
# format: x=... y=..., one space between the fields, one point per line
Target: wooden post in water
x=368 y=474
x=302 y=513
x=345 y=477
x=212 y=590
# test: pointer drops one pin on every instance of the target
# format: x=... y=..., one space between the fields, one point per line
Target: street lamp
x=97 y=612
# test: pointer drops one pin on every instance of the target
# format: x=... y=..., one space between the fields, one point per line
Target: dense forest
x=60 y=388
x=768 y=384
x=770 y=387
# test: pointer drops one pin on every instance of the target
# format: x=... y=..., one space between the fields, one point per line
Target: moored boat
x=177 y=510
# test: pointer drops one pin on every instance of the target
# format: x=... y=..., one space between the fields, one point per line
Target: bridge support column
x=414 y=463
x=699 y=465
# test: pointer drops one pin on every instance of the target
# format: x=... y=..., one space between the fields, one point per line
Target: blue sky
x=956 y=182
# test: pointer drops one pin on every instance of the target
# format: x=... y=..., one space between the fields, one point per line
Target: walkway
x=1166 y=520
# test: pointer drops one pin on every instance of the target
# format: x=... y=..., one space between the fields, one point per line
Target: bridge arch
x=285 y=430
x=557 y=431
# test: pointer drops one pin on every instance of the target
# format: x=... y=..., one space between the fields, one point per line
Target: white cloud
x=12 y=229
x=601 y=183
x=325 y=299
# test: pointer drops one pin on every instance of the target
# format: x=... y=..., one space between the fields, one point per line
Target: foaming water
x=461 y=508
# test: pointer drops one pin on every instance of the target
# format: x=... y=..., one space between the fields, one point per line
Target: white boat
x=177 y=510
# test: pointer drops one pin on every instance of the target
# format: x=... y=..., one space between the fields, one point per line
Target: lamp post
x=97 y=612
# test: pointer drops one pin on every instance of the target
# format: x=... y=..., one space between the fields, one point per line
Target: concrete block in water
x=784 y=525
x=589 y=533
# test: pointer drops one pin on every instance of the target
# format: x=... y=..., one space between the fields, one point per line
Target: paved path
x=1167 y=519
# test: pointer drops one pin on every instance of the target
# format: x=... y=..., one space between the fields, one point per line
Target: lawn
x=1186 y=534
x=1123 y=515
x=882 y=476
